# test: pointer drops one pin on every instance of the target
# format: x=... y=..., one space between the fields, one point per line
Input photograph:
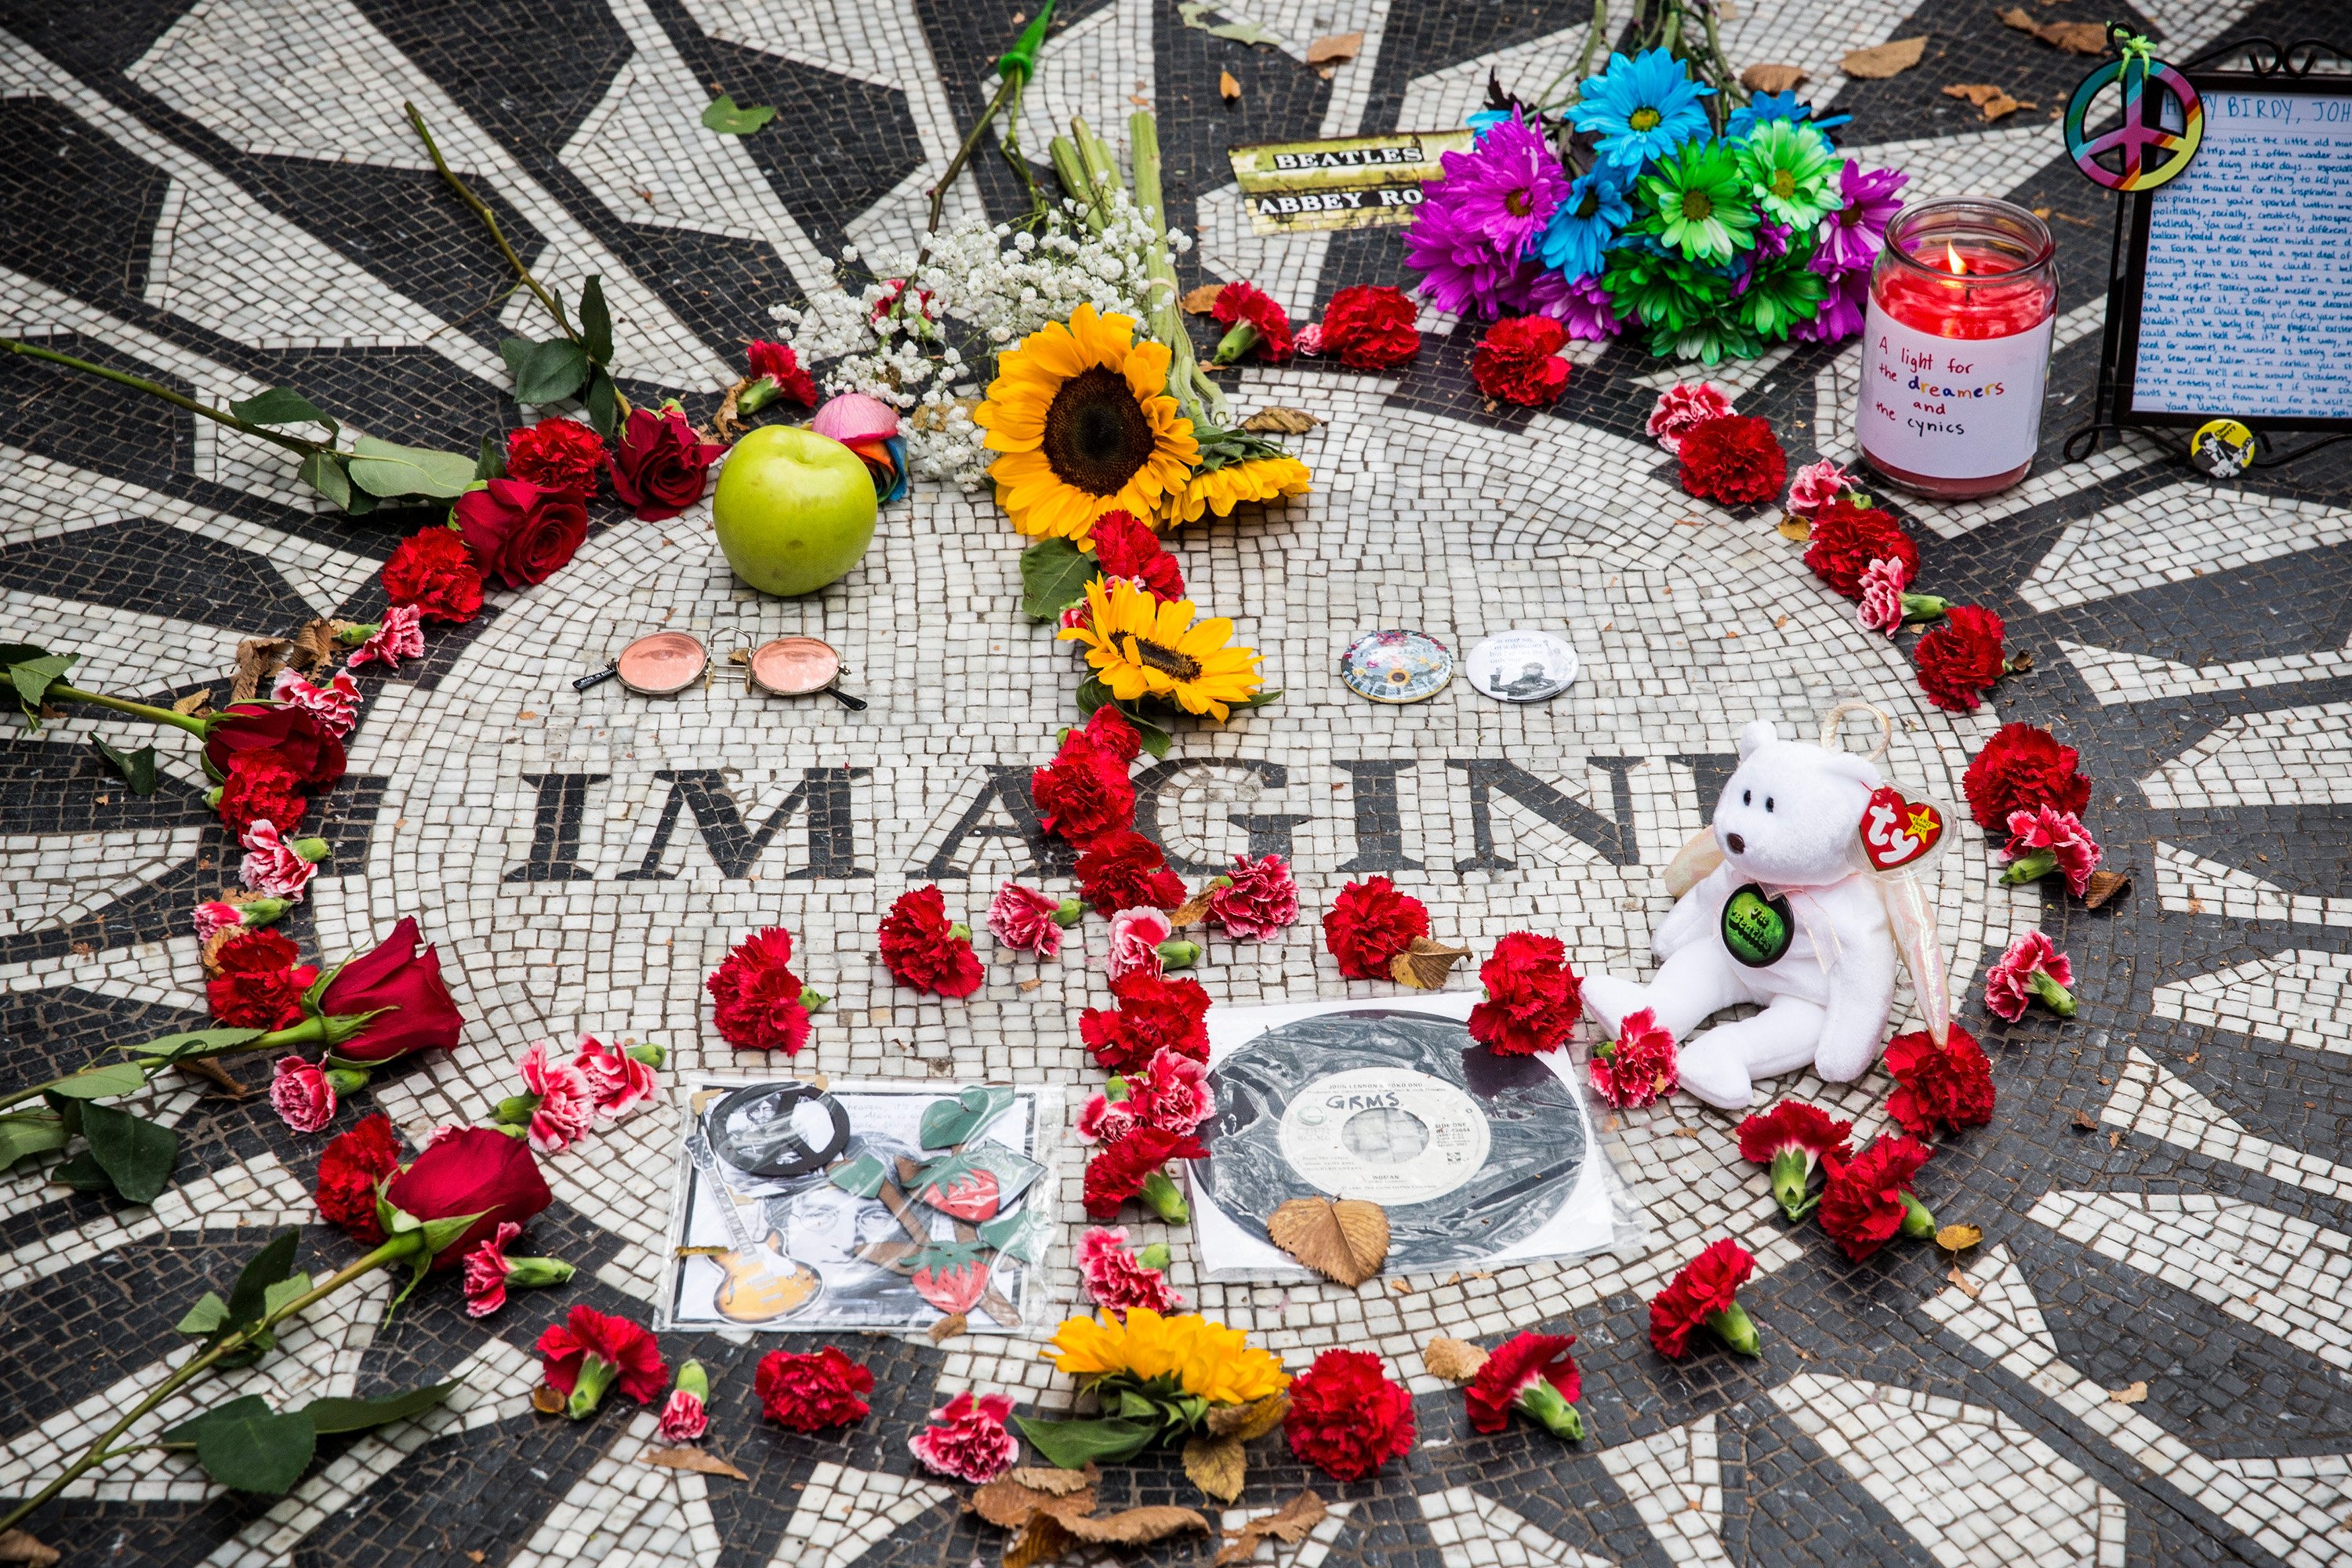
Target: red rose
x=520 y=533
x=260 y=986
x=923 y=949
x=810 y=1392
x=349 y=1168
x=600 y=1349
x=1863 y=1206
x=1847 y=538
x=1533 y=998
x=1370 y=328
x=2023 y=768
x=402 y=974
x=1122 y=869
x=1519 y=361
x=434 y=573
x=1514 y=1370
x=1154 y=1014
x=1948 y=1085
x=470 y=1170
x=1118 y=1170
x=1238 y=302
x=780 y=365
x=1346 y=1417
x=293 y=734
x=560 y=455
x=1732 y=460
x=1084 y=792
x=660 y=464
x=1125 y=547
x=1709 y=1284
x=1960 y=659
x=1369 y=923
x=261 y=786
x=759 y=997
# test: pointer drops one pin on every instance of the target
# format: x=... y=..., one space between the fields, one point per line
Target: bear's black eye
x=1767 y=802
x=1746 y=797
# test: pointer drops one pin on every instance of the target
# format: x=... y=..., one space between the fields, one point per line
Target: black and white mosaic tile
x=224 y=194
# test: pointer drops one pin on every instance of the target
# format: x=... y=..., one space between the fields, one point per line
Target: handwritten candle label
x=1950 y=408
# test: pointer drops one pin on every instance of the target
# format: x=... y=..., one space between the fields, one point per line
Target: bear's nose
x=1736 y=845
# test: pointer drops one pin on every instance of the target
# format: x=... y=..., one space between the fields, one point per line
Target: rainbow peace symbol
x=2151 y=156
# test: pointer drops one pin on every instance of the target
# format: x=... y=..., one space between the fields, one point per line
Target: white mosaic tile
x=1472 y=1530
x=624 y=1513
x=2187 y=883
x=2172 y=535
x=2113 y=676
x=1674 y=1481
x=2148 y=1100
x=841 y=1512
x=2304 y=999
x=2288 y=757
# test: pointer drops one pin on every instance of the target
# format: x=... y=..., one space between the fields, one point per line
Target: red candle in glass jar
x=1956 y=347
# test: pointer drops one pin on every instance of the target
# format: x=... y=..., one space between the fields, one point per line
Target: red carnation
x=1960 y=659
x=1706 y=1293
x=1533 y=1372
x=1533 y=998
x=1154 y=1014
x=293 y=734
x=591 y=1352
x=1733 y=459
x=759 y=1005
x=1125 y=546
x=1245 y=304
x=1346 y=1417
x=1084 y=793
x=1122 y=869
x=260 y=986
x=1369 y=923
x=261 y=786
x=1947 y=1086
x=349 y=1169
x=810 y=1392
x=1368 y=328
x=780 y=364
x=2023 y=768
x=1792 y=1138
x=1119 y=1170
x=1868 y=1199
x=1639 y=1066
x=925 y=950
x=1519 y=361
x=1847 y=538
x=660 y=464
x=431 y=572
x=520 y=533
x=560 y=455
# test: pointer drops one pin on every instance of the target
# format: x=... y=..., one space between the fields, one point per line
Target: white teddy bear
x=1809 y=940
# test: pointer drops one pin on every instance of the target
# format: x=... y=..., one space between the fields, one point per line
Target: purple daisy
x=1851 y=236
x=1475 y=224
x=1579 y=304
x=1841 y=313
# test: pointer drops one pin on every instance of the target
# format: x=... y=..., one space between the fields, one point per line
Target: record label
x=1384 y=1135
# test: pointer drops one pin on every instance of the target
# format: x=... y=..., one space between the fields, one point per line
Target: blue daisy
x=1766 y=106
x=1641 y=108
x=1587 y=222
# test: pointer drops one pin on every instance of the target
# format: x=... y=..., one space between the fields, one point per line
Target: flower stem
x=2029 y=866
x=156 y=389
x=309 y=1031
x=2054 y=996
x=1737 y=1330
x=1194 y=391
x=1014 y=65
x=60 y=693
x=481 y=209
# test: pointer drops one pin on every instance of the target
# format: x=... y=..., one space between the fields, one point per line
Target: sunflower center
x=1169 y=661
x=1096 y=435
x=1697 y=207
x=1644 y=119
x=1518 y=204
x=1784 y=184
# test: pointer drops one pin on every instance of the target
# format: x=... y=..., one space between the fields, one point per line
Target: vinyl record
x=1468 y=1152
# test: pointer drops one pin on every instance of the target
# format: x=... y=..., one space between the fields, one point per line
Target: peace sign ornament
x=2149 y=154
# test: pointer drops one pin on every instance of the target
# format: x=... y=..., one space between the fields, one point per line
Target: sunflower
x=1082 y=413
x=1208 y=1361
x=1222 y=490
x=1142 y=646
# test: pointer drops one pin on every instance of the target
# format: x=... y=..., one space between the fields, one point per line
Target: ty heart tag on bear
x=1896 y=832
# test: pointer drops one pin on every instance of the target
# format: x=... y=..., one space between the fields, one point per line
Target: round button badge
x=1521 y=665
x=1396 y=666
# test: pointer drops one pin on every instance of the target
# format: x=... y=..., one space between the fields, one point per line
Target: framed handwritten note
x=2244 y=264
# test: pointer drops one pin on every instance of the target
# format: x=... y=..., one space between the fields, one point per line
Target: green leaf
x=183 y=1436
x=947 y=1122
x=861 y=1177
x=33 y=677
x=251 y=1450
x=136 y=768
x=103 y=1083
x=83 y=1173
x=326 y=474
x=1054 y=575
x=248 y=1299
x=516 y=352
x=551 y=372
x=723 y=117
x=1257 y=700
x=282 y=405
x=196 y=1042
x=492 y=463
x=381 y=469
x=1155 y=740
x=1240 y=31
x=603 y=400
x=205 y=1317
x=331 y=1415
x=294 y=1287
x=29 y=1133
x=596 y=319
x=1072 y=1444
x=440 y=1234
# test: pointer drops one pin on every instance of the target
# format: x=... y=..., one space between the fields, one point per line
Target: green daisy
x=1698 y=203
x=1780 y=298
x=1662 y=290
x=1708 y=339
x=1788 y=168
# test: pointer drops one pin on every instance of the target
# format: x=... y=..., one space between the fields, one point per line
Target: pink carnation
x=617 y=1082
x=567 y=1105
x=335 y=705
x=1114 y=1278
x=1681 y=408
x=1637 y=1067
x=2061 y=833
x=1260 y=897
x=1135 y=938
x=1023 y=918
x=683 y=1419
x=2009 y=983
x=214 y=916
x=1880 y=609
x=1171 y=1092
x=486 y=1269
x=400 y=634
x=301 y=1095
x=271 y=864
x=1816 y=485
x=1105 y=1121
x=966 y=1440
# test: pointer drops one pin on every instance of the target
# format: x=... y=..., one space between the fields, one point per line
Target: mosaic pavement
x=222 y=193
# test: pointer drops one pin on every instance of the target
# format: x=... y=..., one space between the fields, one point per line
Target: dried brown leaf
x=1966 y=1286
x=257 y=660
x=1007 y=1502
x=546 y=1400
x=1991 y=102
x=22 y=1546
x=1054 y=1482
x=1289 y=1523
x=2075 y=37
x=1201 y=300
x=314 y=647
x=2083 y=1120
x=1455 y=1361
x=687 y=1457
x=1883 y=60
x=1426 y=965
x=1217 y=1464
x=1043 y=1538
x=1771 y=78
x=2106 y=885
x=194 y=702
x=1333 y=47
x=1346 y=1239
x=1135 y=1526
x=1249 y=1421
x=948 y=1328
x=1275 y=420
x=1192 y=910
x=1794 y=526
x=2134 y=1393
x=1959 y=1237
x=1227 y=88
x=2115 y=1139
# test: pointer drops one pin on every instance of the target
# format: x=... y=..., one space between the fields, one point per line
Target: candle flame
x=1952 y=259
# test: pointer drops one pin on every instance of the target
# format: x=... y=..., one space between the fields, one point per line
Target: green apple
x=795 y=509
